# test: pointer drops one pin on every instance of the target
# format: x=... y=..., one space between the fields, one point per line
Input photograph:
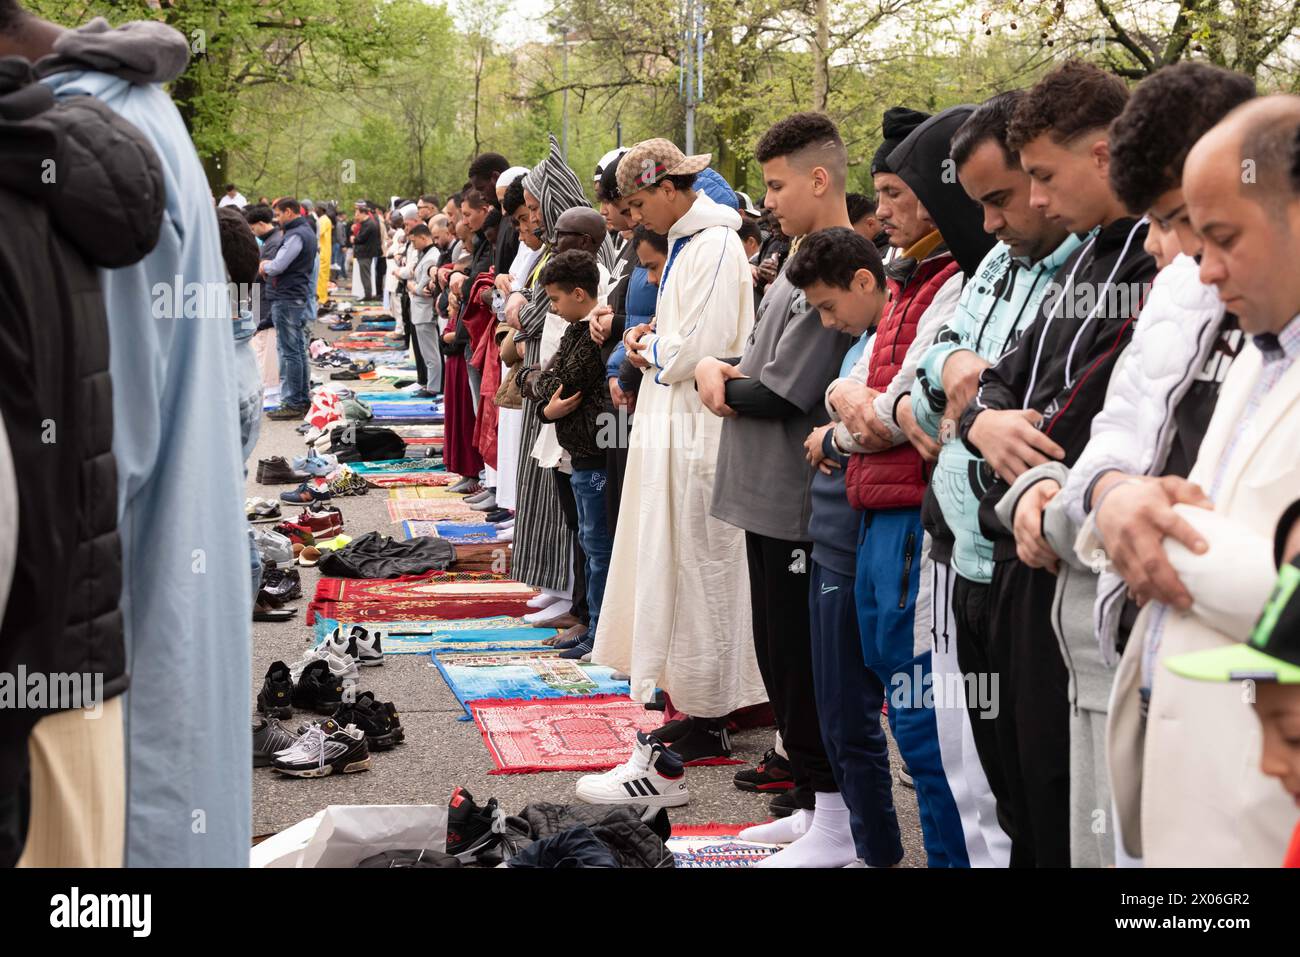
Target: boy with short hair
x=571 y=393
x=841 y=277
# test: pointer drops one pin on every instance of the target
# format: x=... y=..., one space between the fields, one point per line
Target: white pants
x=987 y=845
x=510 y=427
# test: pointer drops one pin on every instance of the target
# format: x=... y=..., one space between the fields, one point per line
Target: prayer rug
x=428 y=510
x=502 y=633
x=431 y=585
x=522 y=675
x=440 y=494
x=418 y=609
x=432 y=480
x=458 y=533
x=715 y=845
x=569 y=734
x=390 y=466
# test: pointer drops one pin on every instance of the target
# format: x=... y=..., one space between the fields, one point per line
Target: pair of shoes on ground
x=277 y=471
x=655 y=774
x=341 y=743
x=257 y=509
x=307 y=493
x=284 y=413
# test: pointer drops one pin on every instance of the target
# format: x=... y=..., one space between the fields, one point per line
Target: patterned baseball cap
x=650 y=161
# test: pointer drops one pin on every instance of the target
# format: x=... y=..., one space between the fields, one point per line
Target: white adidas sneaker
x=652 y=776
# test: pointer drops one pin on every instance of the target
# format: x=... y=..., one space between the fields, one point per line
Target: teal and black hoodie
x=999 y=301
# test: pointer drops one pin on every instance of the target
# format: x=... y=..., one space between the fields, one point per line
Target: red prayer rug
x=565 y=734
x=418 y=609
x=430 y=586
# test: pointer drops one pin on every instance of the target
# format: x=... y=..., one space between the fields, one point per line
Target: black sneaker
x=270 y=736
x=318 y=690
x=373 y=719
x=704 y=739
x=282 y=585
x=773 y=773
x=471 y=829
x=275 y=700
x=783 y=805
x=323 y=749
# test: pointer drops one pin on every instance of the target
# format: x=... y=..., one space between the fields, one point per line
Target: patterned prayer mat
x=523 y=675
x=390 y=466
x=440 y=494
x=502 y=633
x=409 y=432
x=432 y=585
x=431 y=480
x=428 y=510
x=458 y=533
x=417 y=609
x=567 y=734
x=715 y=845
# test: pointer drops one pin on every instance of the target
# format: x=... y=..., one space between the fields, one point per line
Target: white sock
x=550 y=612
x=828 y=843
x=781 y=831
x=544 y=600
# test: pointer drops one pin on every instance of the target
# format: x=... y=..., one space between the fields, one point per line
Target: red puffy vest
x=896 y=478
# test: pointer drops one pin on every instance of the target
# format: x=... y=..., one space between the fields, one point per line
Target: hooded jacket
x=897 y=478
x=1001 y=299
x=64 y=617
x=1063 y=362
x=922 y=162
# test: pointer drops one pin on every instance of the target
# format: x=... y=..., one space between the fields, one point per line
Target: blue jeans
x=593 y=534
x=287 y=315
x=889 y=574
x=849 y=697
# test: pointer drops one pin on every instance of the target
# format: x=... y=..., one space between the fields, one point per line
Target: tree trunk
x=821 y=58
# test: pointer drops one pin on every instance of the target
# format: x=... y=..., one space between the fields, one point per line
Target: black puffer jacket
x=81 y=188
x=621 y=828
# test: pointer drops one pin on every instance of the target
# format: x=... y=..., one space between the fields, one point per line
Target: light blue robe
x=185 y=598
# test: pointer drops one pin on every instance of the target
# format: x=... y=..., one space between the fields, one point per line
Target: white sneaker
x=344 y=669
x=335 y=644
x=366 y=647
x=652 y=776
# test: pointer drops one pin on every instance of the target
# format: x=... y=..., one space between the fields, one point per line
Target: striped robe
x=544 y=543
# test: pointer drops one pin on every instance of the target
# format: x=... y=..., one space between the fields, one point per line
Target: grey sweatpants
x=426 y=338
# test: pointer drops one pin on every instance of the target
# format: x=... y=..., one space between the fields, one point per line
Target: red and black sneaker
x=471 y=829
x=773 y=773
x=298 y=534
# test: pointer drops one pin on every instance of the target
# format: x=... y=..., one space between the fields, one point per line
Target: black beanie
x=898 y=122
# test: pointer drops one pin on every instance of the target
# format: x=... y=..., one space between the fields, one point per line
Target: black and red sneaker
x=773 y=773
x=471 y=830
